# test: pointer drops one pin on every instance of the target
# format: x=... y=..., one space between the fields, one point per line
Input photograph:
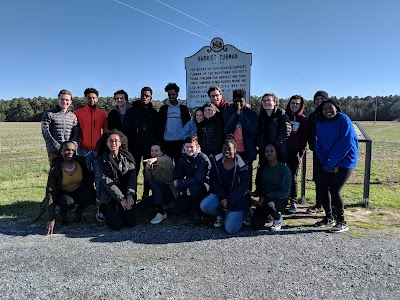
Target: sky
x=347 y=48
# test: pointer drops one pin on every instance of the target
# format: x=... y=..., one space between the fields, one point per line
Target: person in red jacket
x=92 y=124
x=296 y=143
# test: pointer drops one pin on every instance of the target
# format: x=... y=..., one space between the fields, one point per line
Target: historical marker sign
x=217 y=64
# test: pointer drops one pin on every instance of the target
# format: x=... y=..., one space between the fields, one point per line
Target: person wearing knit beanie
x=312 y=122
x=321 y=93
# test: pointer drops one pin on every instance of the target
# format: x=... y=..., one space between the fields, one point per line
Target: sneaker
x=325 y=222
x=315 y=210
x=196 y=218
x=99 y=216
x=158 y=218
x=339 y=227
x=247 y=222
x=218 y=222
x=293 y=208
x=277 y=224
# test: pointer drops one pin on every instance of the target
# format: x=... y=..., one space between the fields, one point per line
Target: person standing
x=215 y=95
x=337 y=149
x=92 y=124
x=117 y=115
x=296 y=143
x=273 y=127
x=59 y=125
x=173 y=115
x=312 y=133
x=241 y=121
x=141 y=126
x=210 y=131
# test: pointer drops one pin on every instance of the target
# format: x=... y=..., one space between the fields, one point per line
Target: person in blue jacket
x=190 y=175
x=229 y=180
x=337 y=150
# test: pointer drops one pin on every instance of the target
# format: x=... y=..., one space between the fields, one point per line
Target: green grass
x=24 y=168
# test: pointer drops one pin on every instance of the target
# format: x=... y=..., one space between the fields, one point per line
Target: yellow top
x=70 y=183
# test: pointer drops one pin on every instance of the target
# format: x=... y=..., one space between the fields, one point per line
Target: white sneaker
x=218 y=222
x=158 y=218
x=277 y=224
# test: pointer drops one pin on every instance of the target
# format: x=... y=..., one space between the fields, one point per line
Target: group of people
x=200 y=166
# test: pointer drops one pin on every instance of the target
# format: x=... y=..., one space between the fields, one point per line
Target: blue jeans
x=233 y=220
x=91 y=163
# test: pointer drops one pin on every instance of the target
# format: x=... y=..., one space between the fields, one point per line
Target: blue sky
x=348 y=48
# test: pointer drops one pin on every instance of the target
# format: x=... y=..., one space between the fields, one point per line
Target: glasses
x=114 y=141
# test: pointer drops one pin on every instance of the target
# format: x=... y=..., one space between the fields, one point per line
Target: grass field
x=24 y=167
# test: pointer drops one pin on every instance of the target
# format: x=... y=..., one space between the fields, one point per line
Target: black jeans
x=116 y=216
x=185 y=203
x=174 y=149
x=332 y=183
x=84 y=196
x=271 y=207
x=293 y=162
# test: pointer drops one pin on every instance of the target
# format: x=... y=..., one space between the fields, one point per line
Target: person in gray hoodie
x=173 y=115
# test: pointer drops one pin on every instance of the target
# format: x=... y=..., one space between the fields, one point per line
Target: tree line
x=358 y=109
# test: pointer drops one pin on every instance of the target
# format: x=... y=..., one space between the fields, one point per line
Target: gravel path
x=177 y=261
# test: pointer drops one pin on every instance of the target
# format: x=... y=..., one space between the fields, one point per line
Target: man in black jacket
x=141 y=126
x=173 y=116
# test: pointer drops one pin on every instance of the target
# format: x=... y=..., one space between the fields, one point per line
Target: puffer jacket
x=58 y=127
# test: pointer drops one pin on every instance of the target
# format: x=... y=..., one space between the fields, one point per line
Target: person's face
x=172 y=96
x=270 y=153
x=145 y=97
x=215 y=97
x=91 y=99
x=114 y=142
x=294 y=105
x=239 y=103
x=229 y=150
x=329 y=110
x=199 y=116
x=64 y=101
x=120 y=100
x=191 y=148
x=68 y=151
x=268 y=103
x=155 y=151
x=208 y=112
x=318 y=100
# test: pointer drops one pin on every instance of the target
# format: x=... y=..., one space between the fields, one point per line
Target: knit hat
x=321 y=93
